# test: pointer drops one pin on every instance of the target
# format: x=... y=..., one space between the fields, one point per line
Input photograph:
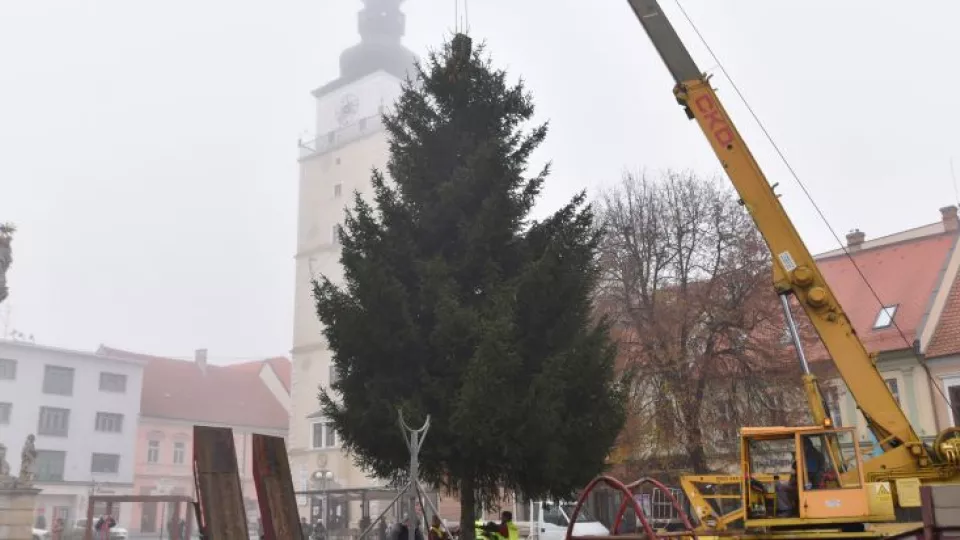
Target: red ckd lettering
x=715 y=123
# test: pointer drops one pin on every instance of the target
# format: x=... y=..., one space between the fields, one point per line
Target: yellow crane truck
x=820 y=467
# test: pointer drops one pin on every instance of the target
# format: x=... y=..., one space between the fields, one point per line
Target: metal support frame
x=177 y=500
x=414 y=441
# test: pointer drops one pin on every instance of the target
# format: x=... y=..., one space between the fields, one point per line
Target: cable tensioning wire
x=796 y=178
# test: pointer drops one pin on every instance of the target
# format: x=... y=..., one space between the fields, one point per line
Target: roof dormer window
x=885 y=317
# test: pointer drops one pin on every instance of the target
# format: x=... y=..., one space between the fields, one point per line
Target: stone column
x=16 y=512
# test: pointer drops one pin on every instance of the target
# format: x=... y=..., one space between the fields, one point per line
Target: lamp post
x=323 y=477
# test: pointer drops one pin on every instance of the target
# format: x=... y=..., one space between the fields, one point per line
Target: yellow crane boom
x=794 y=269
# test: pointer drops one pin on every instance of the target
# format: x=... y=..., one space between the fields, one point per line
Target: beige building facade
x=350 y=142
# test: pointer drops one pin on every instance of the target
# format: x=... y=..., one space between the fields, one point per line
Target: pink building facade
x=249 y=398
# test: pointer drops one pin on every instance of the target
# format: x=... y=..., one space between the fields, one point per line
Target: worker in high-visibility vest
x=436 y=529
x=508 y=529
x=480 y=531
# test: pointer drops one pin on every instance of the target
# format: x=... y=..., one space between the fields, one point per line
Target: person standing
x=508 y=529
x=306 y=530
x=436 y=529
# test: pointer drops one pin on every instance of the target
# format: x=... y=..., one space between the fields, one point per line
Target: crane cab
x=802 y=476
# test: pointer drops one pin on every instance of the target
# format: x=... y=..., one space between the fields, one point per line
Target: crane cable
x=809 y=196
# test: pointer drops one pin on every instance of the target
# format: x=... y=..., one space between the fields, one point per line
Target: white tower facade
x=350 y=142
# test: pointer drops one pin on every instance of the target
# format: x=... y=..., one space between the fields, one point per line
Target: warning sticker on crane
x=787 y=261
x=883 y=491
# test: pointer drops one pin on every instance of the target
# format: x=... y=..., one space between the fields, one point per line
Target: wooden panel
x=222 y=515
x=271 y=473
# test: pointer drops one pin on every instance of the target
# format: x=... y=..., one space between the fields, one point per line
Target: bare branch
x=686 y=277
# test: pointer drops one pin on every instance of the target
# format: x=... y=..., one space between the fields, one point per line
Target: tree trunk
x=695 y=451
x=468 y=503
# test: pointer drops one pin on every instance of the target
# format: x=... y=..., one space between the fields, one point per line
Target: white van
x=549 y=521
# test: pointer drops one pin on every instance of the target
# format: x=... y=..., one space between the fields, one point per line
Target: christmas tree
x=457 y=304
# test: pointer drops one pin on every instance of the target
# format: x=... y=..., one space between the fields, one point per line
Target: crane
x=906 y=461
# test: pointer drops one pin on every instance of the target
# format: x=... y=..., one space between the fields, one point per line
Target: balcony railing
x=341 y=137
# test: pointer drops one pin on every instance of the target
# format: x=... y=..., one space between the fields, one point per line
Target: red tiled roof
x=280 y=365
x=231 y=395
x=946 y=337
x=906 y=273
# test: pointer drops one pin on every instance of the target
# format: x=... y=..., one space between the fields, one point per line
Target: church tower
x=350 y=141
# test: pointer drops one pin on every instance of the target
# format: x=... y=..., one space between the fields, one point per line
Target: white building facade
x=351 y=142
x=83 y=410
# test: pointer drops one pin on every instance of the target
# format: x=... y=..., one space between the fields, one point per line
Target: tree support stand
x=412 y=489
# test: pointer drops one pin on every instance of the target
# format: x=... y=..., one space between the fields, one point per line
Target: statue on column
x=27 y=458
x=6 y=235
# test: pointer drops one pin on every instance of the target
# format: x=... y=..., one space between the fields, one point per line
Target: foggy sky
x=148 y=149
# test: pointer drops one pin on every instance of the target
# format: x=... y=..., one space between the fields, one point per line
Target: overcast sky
x=148 y=149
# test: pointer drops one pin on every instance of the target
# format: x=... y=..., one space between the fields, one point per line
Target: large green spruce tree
x=457 y=304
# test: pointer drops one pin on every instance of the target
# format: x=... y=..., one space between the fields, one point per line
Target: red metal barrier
x=633 y=487
x=628 y=492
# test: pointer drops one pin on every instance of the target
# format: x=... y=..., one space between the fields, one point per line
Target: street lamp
x=323 y=477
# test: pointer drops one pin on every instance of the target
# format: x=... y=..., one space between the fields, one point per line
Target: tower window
x=337 y=190
x=885 y=317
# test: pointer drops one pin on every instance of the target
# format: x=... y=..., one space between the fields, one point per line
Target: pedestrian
x=508 y=529
x=57 y=531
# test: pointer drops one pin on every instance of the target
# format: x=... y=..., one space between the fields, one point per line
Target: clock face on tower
x=347 y=110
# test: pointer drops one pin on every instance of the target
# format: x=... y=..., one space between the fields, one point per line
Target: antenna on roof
x=457 y=20
x=953 y=175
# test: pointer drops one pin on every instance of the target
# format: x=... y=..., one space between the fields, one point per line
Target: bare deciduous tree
x=687 y=277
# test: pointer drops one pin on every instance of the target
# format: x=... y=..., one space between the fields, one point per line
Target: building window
x=49 y=465
x=105 y=463
x=179 y=452
x=885 y=317
x=337 y=190
x=335 y=235
x=894 y=389
x=324 y=436
x=54 y=422
x=5 y=410
x=952 y=386
x=153 y=451
x=113 y=382
x=953 y=394
x=8 y=369
x=58 y=380
x=109 y=422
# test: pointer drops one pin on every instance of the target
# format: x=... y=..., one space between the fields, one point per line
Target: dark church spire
x=381 y=25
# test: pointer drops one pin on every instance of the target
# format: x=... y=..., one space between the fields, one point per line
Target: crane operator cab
x=813 y=474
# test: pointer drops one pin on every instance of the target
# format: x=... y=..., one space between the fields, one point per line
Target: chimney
x=949 y=216
x=855 y=240
x=200 y=357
